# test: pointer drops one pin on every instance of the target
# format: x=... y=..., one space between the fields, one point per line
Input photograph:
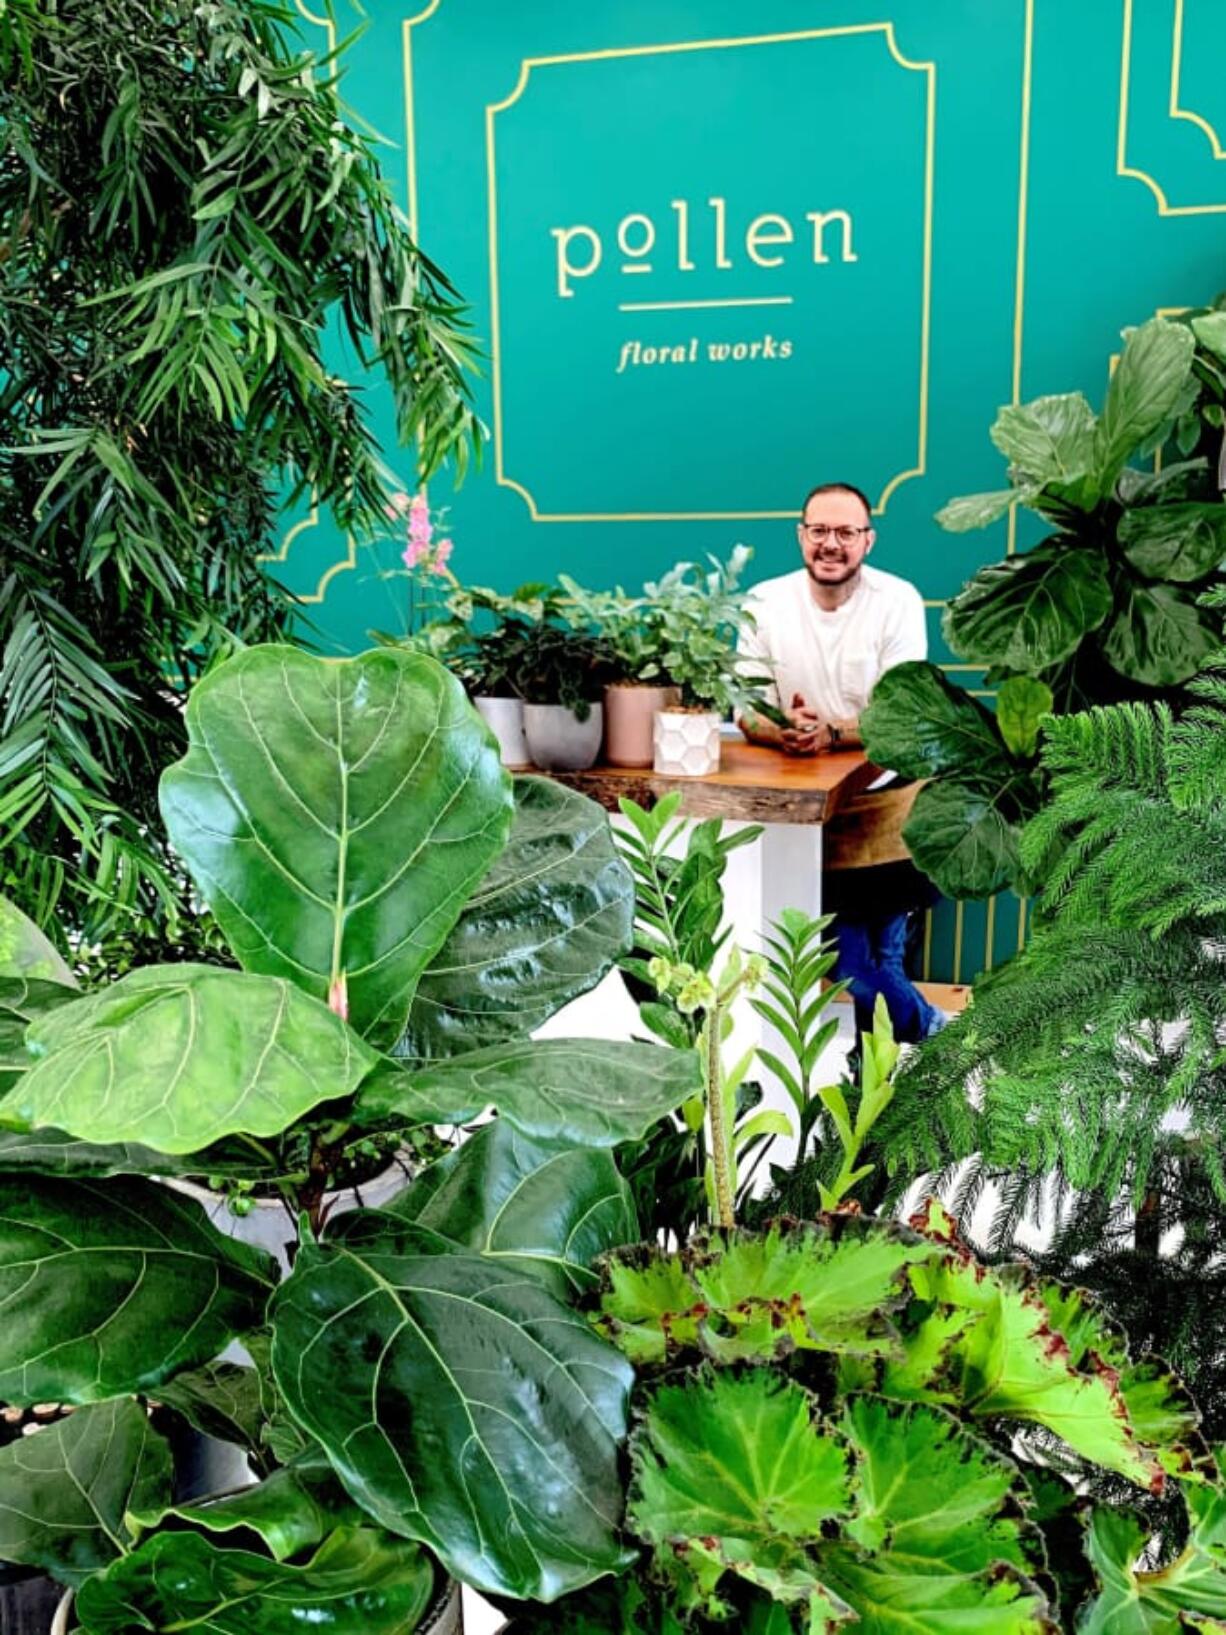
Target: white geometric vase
x=687 y=742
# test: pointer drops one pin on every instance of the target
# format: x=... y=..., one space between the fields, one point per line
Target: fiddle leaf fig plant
x=1107 y=607
x=419 y=1393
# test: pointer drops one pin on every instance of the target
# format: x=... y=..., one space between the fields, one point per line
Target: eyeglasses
x=819 y=532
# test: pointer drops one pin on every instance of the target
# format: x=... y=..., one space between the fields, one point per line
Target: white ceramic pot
x=558 y=741
x=629 y=721
x=59 y=1624
x=505 y=719
x=687 y=742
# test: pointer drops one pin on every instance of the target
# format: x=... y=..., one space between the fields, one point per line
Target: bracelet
x=836 y=734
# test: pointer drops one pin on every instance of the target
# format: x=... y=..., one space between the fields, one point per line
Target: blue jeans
x=871 y=959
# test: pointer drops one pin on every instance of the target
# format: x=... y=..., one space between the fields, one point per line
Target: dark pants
x=872 y=958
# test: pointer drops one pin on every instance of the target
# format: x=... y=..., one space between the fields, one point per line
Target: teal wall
x=1018 y=179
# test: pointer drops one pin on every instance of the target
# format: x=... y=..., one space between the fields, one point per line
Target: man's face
x=835 y=537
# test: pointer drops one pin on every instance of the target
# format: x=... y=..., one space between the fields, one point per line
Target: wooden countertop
x=753 y=785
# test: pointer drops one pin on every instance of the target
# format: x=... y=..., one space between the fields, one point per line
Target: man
x=827 y=633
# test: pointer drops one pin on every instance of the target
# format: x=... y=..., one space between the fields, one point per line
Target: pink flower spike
x=414 y=553
x=398 y=506
x=420 y=503
x=442 y=555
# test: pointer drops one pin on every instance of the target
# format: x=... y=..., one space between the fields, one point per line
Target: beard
x=829 y=577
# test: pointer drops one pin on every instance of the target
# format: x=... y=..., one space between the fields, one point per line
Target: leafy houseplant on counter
x=1104 y=609
x=701 y=612
x=633 y=630
x=562 y=669
x=848 y=1424
x=421 y=1398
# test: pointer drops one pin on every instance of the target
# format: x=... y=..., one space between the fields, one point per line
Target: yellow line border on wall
x=1175 y=110
x=1122 y=167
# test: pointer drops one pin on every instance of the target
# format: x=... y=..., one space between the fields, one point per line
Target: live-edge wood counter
x=753 y=785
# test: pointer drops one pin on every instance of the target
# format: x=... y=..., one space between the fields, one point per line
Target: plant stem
x=720 y=1133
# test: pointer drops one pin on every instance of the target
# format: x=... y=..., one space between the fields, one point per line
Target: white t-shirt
x=833 y=659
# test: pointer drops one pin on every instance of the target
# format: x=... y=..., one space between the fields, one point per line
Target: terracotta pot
x=687 y=742
x=629 y=721
x=505 y=719
x=558 y=741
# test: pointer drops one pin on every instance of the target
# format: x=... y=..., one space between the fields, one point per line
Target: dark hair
x=838 y=488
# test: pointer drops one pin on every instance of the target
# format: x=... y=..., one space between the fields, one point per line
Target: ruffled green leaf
x=1186 y=1594
x=479 y=1414
x=359 y=1582
x=582 y=1091
x=65 y=1492
x=544 y=925
x=1160 y=635
x=336 y=816
x=178 y=1056
x=1032 y=610
x=291 y=1511
x=109 y=1288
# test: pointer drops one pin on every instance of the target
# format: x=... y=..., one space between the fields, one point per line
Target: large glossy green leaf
x=584 y=1091
x=965 y=837
x=1048 y=440
x=1030 y=611
x=546 y=923
x=1133 y=1601
x=1184 y=541
x=479 y=1413
x=178 y=1056
x=22 y=1002
x=970 y=511
x=26 y=953
x=52 y=1152
x=65 y=1492
x=226 y=1400
x=919 y=724
x=539 y=1206
x=1159 y=636
x=108 y=1288
x=1144 y=390
x=1021 y=704
x=292 y=1510
x=336 y=816
x=732 y=1474
x=359 y=1582
x=827 y=1286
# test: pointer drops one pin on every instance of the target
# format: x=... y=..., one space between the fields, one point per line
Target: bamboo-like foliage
x=185 y=210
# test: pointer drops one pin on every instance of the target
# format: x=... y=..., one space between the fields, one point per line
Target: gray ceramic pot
x=558 y=741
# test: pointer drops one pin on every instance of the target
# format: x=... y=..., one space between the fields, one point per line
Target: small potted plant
x=632 y=628
x=700 y=613
x=561 y=671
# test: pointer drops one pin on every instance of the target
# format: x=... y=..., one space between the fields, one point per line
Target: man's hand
x=807 y=735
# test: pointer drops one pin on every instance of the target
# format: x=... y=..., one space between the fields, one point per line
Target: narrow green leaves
x=480 y=1415
x=66 y=1491
x=336 y=815
x=543 y=926
x=180 y=1055
x=110 y=1288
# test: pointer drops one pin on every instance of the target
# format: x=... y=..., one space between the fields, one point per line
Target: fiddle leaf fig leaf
x=292 y=1510
x=1146 y=386
x=584 y=1091
x=1184 y=542
x=921 y=725
x=539 y=1207
x=1159 y=635
x=229 y=1401
x=1189 y=1593
x=179 y=1056
x=25 y=953
x=1049 y=440
x=1030 y=611
x=478 y=1409
x=109 y=1288
x=971 y=511
x=65 y=1491
x=964 y=837
x=1021 y=703
x=23 y=1001
x=336 y=815
x=733 y=1474
x=544 y=925
x=745 y=1295
x=359 y=1582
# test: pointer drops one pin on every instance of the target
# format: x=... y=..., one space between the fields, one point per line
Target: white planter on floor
x=505 y=719
x=687 y=742
x=558 y=741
